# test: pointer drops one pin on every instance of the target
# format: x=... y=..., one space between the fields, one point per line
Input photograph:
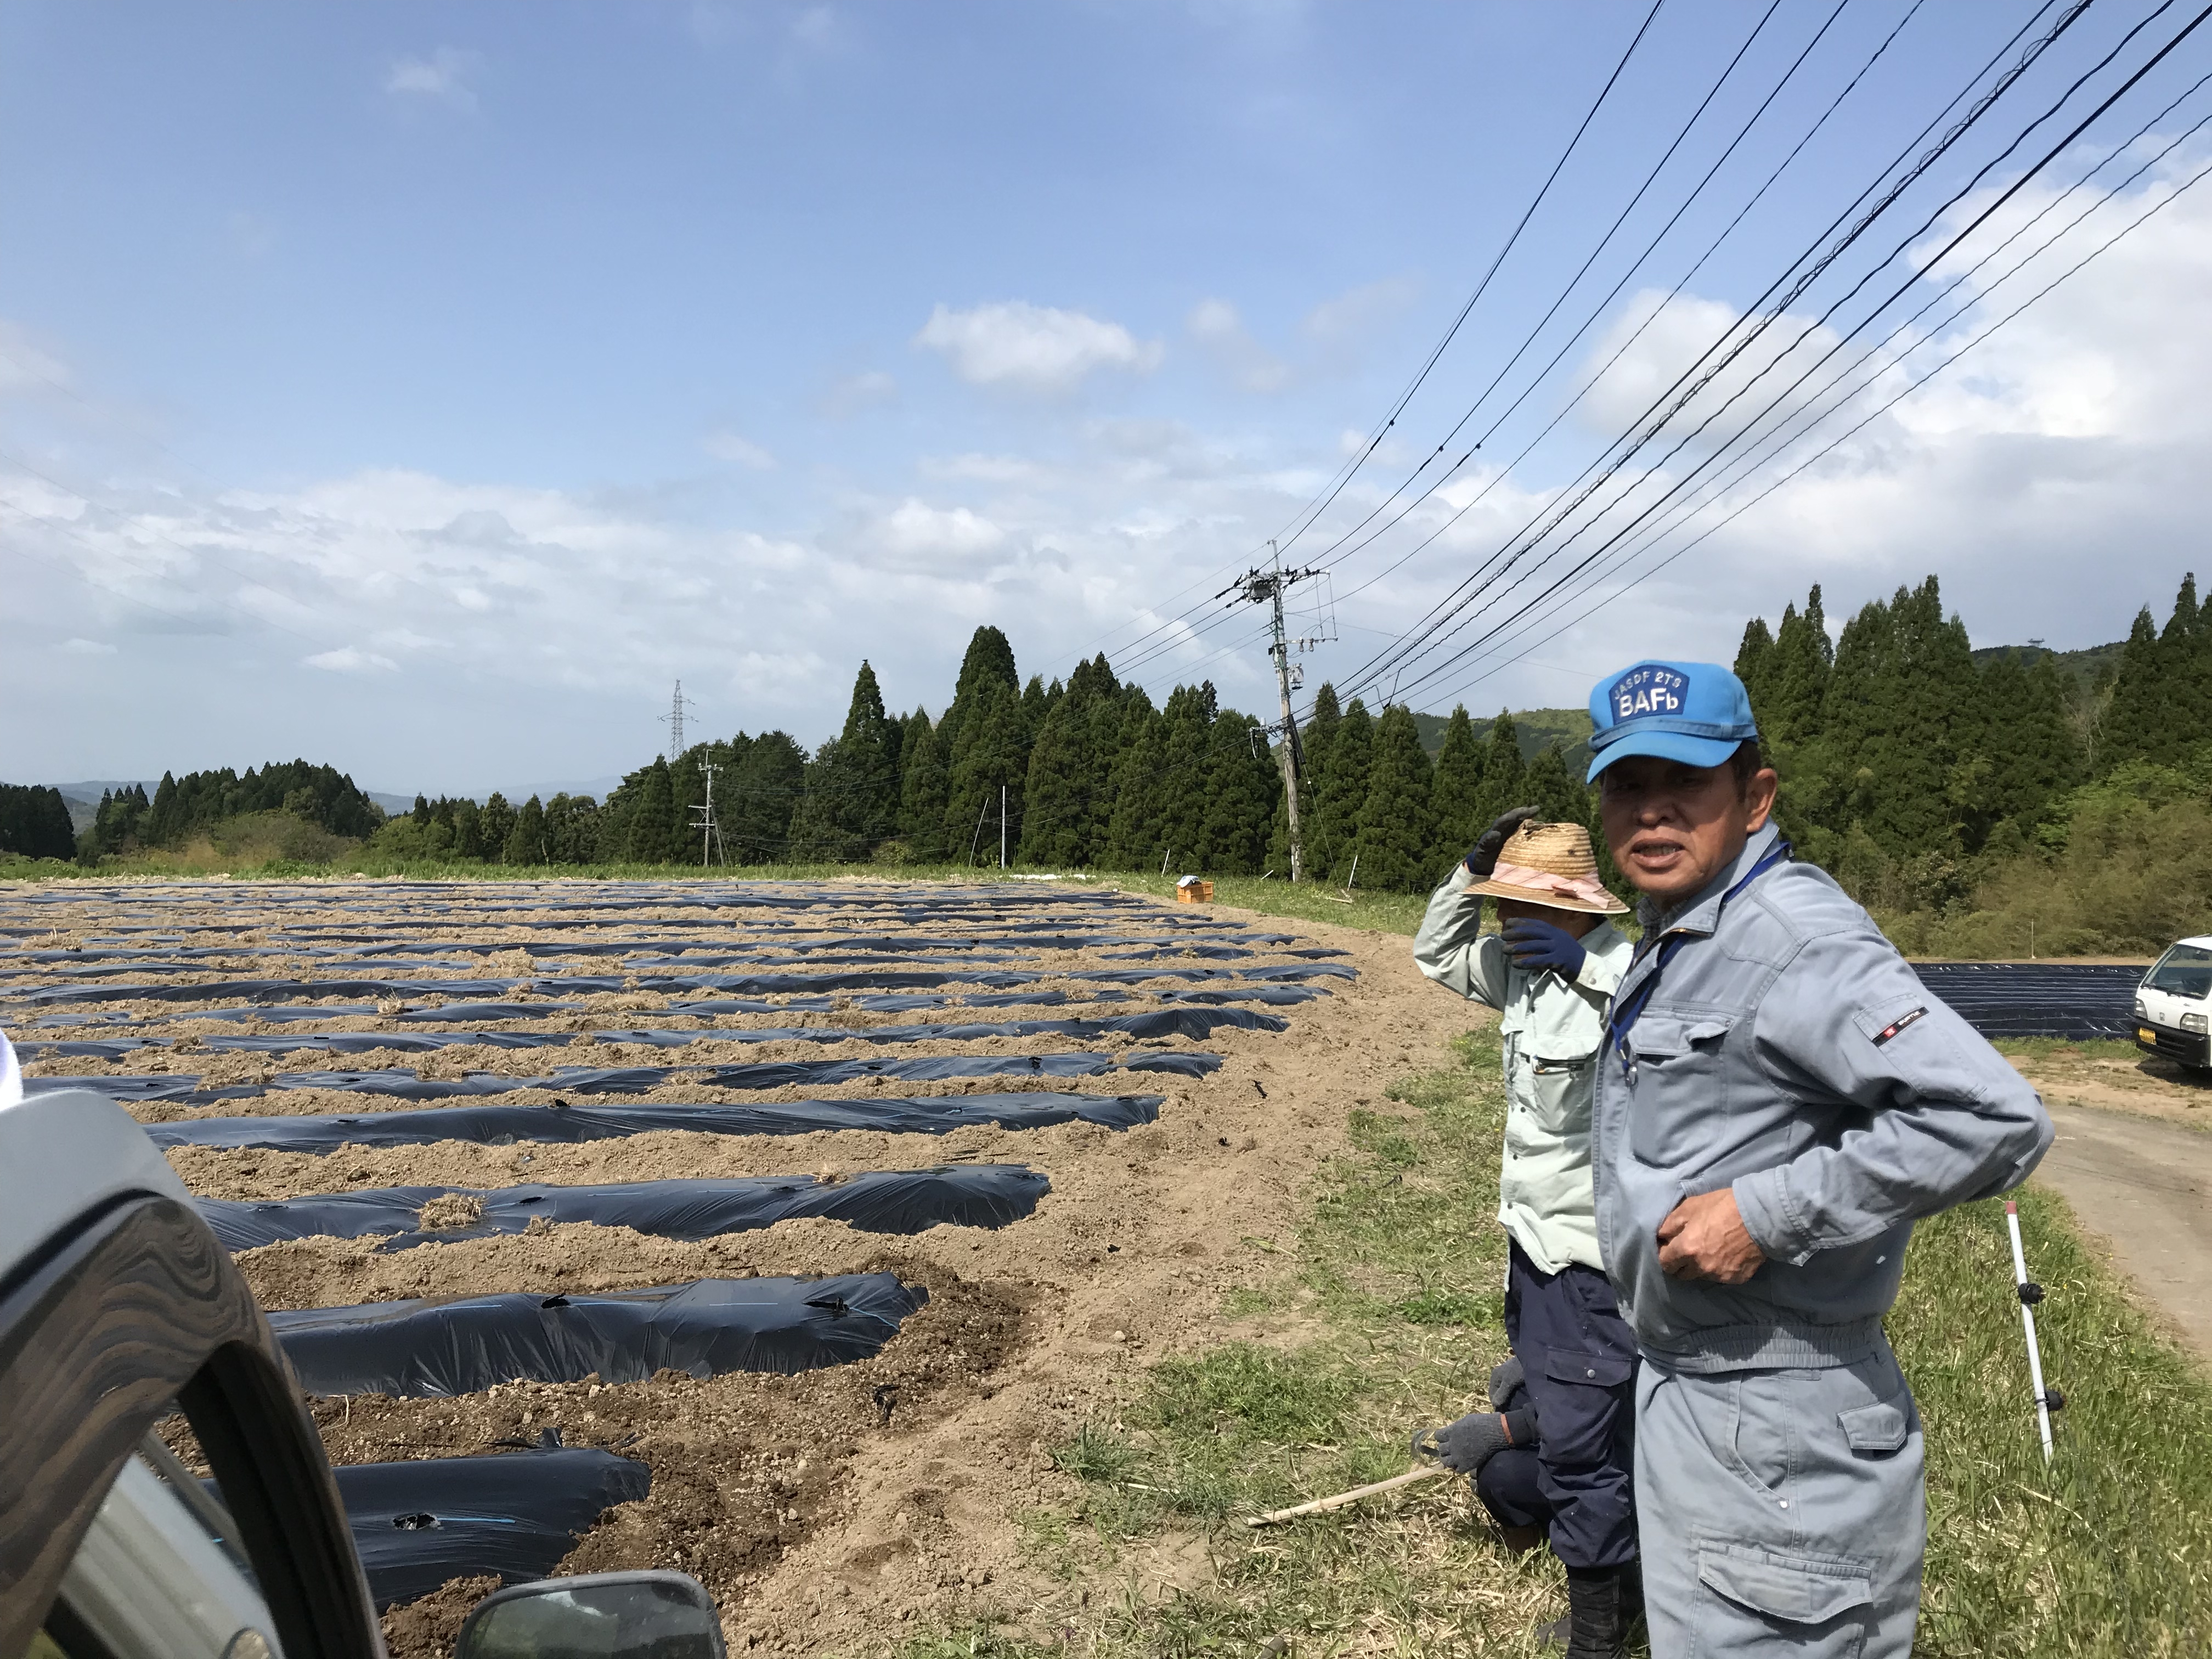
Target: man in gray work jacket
x=1780 y=1100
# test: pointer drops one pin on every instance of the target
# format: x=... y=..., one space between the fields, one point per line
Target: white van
x=2173 y=1001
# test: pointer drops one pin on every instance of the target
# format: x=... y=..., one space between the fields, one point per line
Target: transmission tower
x=709 y=827
x=674 y=720
x=1258 y=586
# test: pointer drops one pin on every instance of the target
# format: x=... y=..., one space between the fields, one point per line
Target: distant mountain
x=1537 y=728
x=2089 y=668
x=82 y=798
x=597 y=788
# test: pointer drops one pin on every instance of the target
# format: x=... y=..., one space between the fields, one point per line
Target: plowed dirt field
x=1176 y=1072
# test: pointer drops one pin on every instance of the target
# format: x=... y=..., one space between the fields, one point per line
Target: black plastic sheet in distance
x=419 y=1523
x=560 y=1123
x=462 y=1345
x=1190 y=1021
x=401 y=1083
x=268 y=990
x=2076 y=1001
x=877 y=1201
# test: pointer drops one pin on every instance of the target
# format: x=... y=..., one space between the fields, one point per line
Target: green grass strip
x=1384 y=1318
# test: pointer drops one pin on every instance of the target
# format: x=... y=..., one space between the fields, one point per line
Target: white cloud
x=851 y=393
x=2055 y=479
x=1221 y=334
x=440 y=78
x=1033 y=348
x=985 y=469
x=82 y=647
x=913 y=529
x=351 y=660
x=1350 y=319
x=730 y=446
x=26 y=364
x=1655 y=340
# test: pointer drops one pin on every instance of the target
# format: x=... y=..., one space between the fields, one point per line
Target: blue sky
x=423 y=387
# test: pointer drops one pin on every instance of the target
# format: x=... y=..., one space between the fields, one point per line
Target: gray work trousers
x=1781 y=1511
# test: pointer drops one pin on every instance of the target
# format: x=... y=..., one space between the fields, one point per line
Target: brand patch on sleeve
x=1896 y=1026
x=1648 y=688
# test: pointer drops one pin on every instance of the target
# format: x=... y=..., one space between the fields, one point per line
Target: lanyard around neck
x=1626 y=1010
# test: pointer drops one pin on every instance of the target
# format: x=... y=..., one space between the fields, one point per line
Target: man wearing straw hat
x=1780 y=1100
x=1554 y=1455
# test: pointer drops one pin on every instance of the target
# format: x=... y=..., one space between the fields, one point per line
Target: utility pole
x=1002 y=826
x=1258 y=586
x=674 y=718
x=709 y=827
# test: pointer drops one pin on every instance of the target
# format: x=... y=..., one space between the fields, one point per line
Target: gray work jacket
x=1553 y=1029
x=1790 y=1053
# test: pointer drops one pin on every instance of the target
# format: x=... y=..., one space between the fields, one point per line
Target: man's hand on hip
x=1704 y=1237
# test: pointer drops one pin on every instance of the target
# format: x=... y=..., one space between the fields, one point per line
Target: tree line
x=1088 y=773
x=1912 y=766
x=34 y=822
x=1909 y=768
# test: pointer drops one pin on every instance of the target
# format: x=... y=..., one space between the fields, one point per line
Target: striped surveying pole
x=2047 y=1400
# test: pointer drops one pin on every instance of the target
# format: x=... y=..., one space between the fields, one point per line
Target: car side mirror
x=600 y=1615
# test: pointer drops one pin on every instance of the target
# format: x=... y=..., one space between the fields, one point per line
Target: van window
x=2186 y=970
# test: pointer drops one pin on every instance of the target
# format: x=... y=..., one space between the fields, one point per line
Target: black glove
x=1506 y=1380
x=1535 y=945
x=1483 y=858
x=1465 y=1446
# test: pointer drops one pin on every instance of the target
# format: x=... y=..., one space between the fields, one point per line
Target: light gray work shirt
x=1790 y=1053
x=1553 y=1029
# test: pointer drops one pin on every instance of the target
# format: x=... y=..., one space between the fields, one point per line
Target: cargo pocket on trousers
x=1875 y=1430
x=1589 y=1370
x=1797 y=1590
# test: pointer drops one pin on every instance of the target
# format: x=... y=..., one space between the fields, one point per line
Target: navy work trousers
x=1580 y=1361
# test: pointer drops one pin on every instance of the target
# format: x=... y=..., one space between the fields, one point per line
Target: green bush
x=2131 y=873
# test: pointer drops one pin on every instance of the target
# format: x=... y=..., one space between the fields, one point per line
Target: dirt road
x=2144 y=1189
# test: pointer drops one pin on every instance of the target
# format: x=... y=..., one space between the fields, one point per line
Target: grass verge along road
x=1383 y=1317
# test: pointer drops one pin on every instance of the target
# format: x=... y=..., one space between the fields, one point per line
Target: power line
x=1883 y=408
x=1172 y=642
x=1603 y=242
x=1289 y=537
x=1598 y=309
x=1432 y=629
x=1344 y=476
x=1715 y=458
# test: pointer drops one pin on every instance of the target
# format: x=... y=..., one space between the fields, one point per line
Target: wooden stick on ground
x=1321 y=1506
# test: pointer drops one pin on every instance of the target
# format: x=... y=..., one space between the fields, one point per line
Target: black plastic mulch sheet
x=2076 y=1001
x=461 y=1345
x=877 y=1201
x=417 y=1524
x=1152 y=1025
x=291 y=990
x=402 y=1084
x=265 y=990
x=500 y=1125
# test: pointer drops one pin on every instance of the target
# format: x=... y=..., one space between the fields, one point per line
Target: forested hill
x=1999 y=801
x=1538 y=729
x=2090 y=670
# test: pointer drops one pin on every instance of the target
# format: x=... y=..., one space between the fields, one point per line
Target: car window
x=2186 y=970
x=152 y=1580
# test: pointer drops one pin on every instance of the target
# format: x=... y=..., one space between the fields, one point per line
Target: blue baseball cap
x=1697 y=713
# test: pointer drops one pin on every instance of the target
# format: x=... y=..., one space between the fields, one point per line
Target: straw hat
x=1551 y=865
